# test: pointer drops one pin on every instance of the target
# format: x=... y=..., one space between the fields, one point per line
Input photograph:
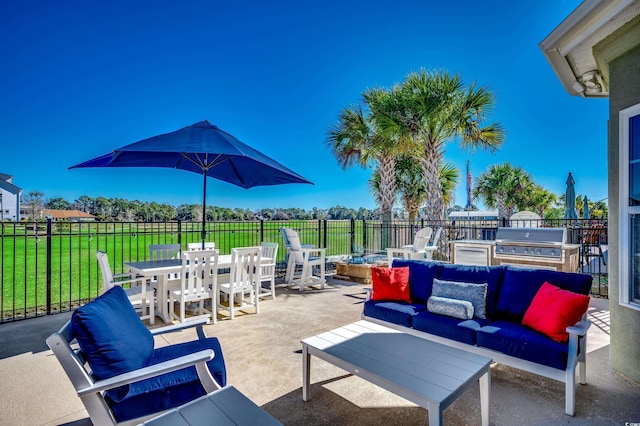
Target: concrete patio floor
x=263 y=358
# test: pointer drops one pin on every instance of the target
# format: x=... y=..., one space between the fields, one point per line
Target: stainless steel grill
x=543 y=248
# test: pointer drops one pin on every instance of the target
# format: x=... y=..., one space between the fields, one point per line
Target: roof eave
x=580 y=24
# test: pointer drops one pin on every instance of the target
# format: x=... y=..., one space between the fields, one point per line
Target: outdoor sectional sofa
x=500 y=335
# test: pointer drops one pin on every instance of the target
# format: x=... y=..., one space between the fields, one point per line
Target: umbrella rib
x=203 y=164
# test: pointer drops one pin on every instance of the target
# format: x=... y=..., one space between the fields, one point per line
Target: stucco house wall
x=595 y=52
x=624 y=91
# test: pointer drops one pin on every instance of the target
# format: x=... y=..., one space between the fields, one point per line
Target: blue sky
x=79 y=78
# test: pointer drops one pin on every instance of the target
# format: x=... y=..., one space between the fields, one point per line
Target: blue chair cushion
x=111 y=335
x=524 y=343
x=421 y=275
x=168 y=390
x=492 y=275
x=449 y=327
x=400 y=313
x=519 y=287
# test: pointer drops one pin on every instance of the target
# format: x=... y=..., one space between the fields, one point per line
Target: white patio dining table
x=162 y=269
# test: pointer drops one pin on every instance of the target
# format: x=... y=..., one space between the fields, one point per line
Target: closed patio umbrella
x=585 y=211
x=201 y=148
x=570 y=199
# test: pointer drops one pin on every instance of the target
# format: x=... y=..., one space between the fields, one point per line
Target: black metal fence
x=49 y=267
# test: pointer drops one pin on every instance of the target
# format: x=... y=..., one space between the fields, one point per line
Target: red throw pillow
x=553 y=309
x=390 y=284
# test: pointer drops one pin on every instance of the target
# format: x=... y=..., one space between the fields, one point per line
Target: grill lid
x=533 y=236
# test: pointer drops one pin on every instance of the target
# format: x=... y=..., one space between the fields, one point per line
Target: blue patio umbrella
x=585 y=211
x=201 y=148
x=570 y=199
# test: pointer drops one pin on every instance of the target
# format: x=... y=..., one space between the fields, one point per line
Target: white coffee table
x=426 y=373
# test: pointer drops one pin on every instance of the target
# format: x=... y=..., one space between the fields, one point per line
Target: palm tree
x=503 y=187
x=538 y=199
x=410 y=183
x=355 y=140
x=449 y=179
x=436 y=108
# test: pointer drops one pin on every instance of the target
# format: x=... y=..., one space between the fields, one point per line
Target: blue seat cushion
x=111 y=335
x=400 y=313
x=168 y=390
x=449 y=327
x=522 y=342
x=492 y=275
x=519 y=287
x=421 y=275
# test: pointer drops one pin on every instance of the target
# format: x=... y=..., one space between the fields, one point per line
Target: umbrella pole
x=204 y=208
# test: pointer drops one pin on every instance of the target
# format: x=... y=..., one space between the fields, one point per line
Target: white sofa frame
x=576 y=358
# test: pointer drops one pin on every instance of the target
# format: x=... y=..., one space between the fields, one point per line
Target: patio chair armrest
x=580 y=328
x=120 y=282
x=147 y=372
x=369 y=292
x=177 y=327
x=314 y=250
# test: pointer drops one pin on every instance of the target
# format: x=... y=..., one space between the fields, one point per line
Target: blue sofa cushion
x=168 y=390
x=492 y=275
x=421 y=275
x=400 y=313
x=524 y=343
x=520 y=285
x=111 y=335
x=449 y=327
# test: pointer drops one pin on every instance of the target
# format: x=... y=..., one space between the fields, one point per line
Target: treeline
x=120 y=209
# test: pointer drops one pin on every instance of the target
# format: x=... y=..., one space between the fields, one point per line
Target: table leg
x=306 y=372
x=163 y=300
x=485 y=396
x=435 y=417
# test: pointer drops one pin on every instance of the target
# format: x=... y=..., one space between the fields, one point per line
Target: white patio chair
x=198 y=282
x=164 y=251
x=209 y=245
x=268 y=270
x=140 y=294
x=421 y=249
x=244 y=278
x=310 y=260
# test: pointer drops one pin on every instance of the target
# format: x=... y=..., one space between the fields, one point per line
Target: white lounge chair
x=118 y=374
x=310 y=260
x=421 y=249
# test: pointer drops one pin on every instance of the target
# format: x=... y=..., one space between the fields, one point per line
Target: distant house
x=69 y=215
x=474 y=215
x=595 y=53
x=9 y=198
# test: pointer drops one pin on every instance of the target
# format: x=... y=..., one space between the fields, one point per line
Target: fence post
x=48 y=256
x=261 y=230
x=180 y=231
x=322 y=228
x=364 y=235
x=352 y=235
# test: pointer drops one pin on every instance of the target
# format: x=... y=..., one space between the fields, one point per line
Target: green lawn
x=75 y=275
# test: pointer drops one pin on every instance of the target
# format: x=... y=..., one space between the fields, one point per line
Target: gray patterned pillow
x=451 y=307
x=474 y=293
